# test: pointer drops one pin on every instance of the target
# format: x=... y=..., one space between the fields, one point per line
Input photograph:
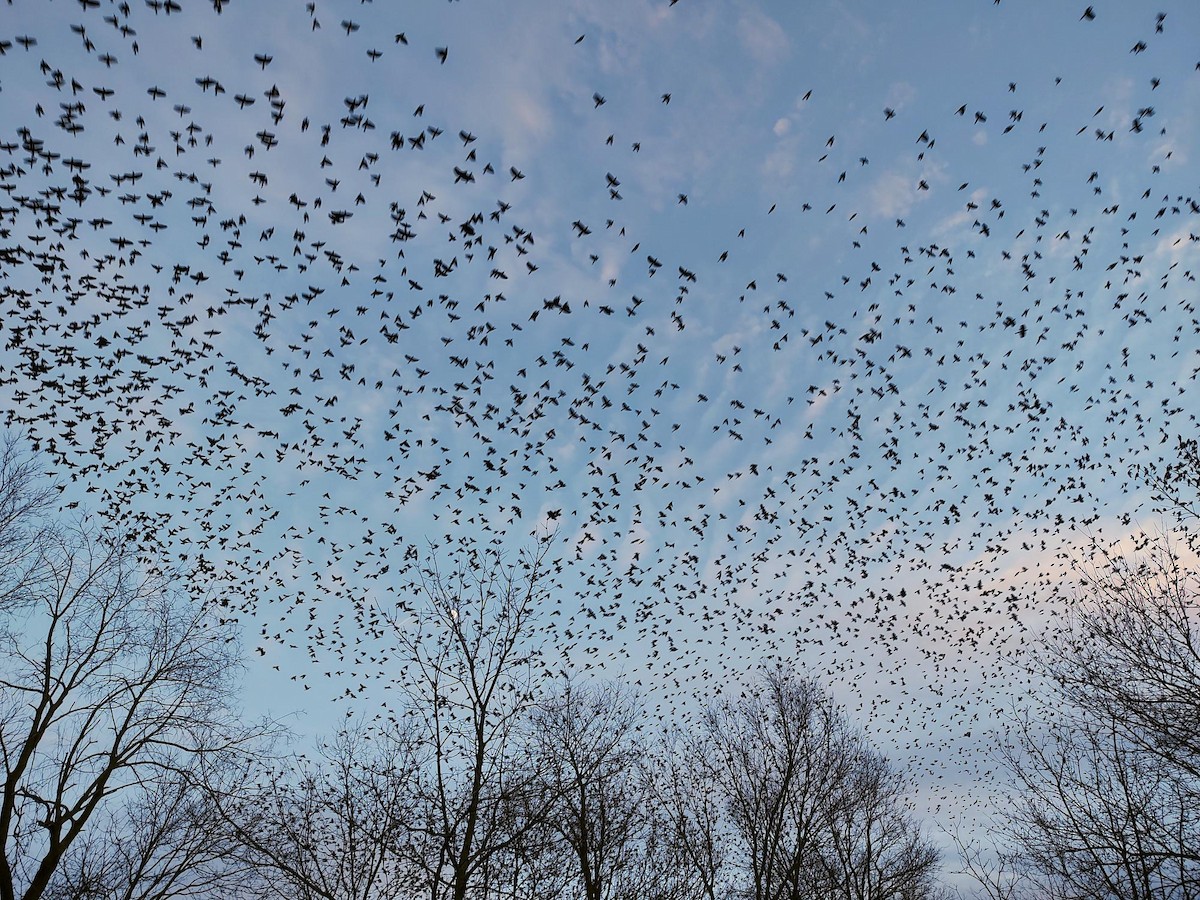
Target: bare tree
x=25 y=503
x=113 y=690
x=1176 y=485
x=168 y=842
x=999 y=871
x=1132 y=652
x=594 y=764
x=878 y=849
x=1107 y=782
x=527 y=867
x=782 y=755
x=1098 y=818
x=814 y=811
x=692 y=812
x=335 y=827
x=468 y=640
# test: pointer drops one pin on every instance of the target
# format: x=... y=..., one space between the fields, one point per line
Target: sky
x=829 y=333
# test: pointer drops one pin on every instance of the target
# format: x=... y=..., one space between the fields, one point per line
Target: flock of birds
x=297 y=348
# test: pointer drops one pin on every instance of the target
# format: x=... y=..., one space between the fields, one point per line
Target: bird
x=300 y=402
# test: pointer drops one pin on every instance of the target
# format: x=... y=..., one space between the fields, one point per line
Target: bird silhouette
x=288 y=344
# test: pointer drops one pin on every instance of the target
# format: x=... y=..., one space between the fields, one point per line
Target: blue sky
x=848 y=377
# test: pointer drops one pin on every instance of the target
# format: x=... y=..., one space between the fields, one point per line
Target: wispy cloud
x=761 y=36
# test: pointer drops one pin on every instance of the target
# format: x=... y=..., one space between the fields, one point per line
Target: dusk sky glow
x=833 y=333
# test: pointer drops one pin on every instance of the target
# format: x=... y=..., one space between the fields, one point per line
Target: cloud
x=953 y=223
x=1167 y=152
x=893 y=194
x=900 y=94
x=781 y=161
x=1175 y=245
x=762 y=36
